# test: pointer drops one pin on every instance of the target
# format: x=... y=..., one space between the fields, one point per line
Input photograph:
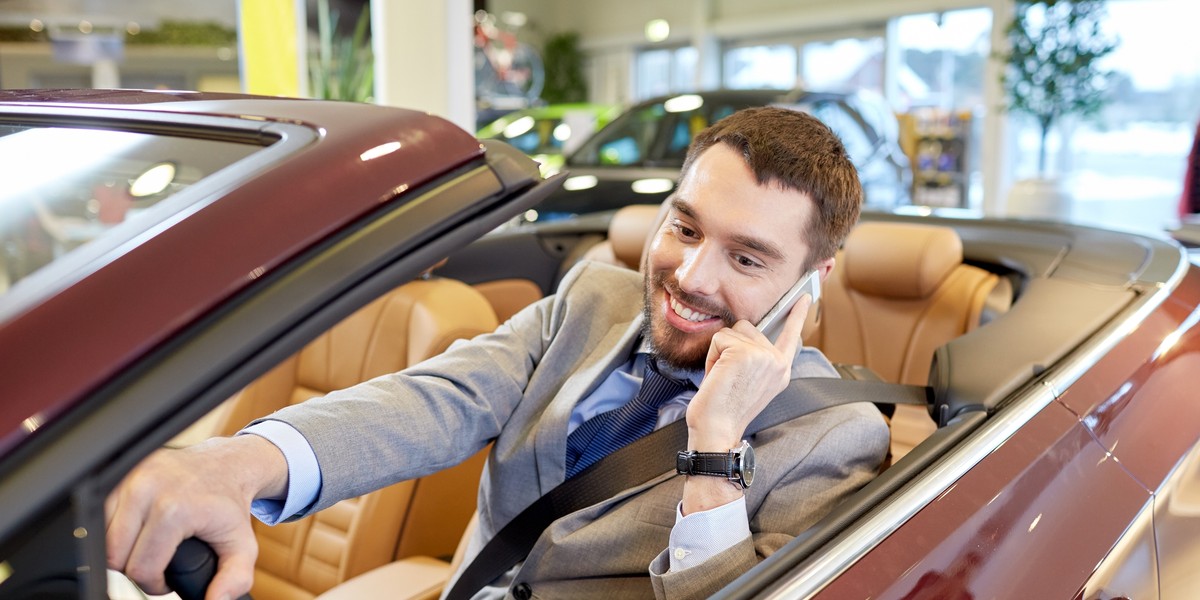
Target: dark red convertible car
x=169 y=259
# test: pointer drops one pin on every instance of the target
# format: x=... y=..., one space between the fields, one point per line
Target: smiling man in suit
x=766 y=196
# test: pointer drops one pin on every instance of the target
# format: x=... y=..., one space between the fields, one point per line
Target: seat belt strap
x=648 y=458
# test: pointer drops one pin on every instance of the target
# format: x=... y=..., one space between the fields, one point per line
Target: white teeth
x=687 y=313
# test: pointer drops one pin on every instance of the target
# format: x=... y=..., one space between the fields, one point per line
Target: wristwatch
x=736 y=465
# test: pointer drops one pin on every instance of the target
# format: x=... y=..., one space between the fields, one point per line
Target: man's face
x=728 y=249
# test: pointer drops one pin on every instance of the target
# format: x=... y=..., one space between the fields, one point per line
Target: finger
x=235 y=566
x=715 y=346
x=156 y=542
x=793 y=328
x=120 y=531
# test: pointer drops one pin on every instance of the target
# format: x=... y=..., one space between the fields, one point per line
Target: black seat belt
x=650 y=457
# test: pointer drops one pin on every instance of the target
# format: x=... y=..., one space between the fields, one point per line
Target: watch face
x=747 y=464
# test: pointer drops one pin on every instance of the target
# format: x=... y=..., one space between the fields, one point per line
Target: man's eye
x=685 y=231
x=746 y=262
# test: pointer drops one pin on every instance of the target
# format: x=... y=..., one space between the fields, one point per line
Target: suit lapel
x=551 y=445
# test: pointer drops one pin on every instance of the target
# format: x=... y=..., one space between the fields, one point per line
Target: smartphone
x=771 y=324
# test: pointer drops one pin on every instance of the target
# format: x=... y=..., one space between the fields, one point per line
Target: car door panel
x=1048 y=504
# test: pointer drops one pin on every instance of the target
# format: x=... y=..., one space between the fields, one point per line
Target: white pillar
x=708 y=49
x=998 y=147
x=424 y=57
x=106 y=75
x=893 y=61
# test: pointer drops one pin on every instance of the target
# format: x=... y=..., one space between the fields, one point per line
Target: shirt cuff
x=304 y=474
x=705 y=534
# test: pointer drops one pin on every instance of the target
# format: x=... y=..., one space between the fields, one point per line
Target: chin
x=679 y=349
x=675 y=348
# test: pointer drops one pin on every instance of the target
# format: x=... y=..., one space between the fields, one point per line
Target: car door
x=53 y=487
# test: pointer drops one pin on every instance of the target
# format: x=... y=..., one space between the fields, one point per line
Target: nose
x=697 y=273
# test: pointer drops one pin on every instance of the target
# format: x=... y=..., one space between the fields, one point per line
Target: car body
x=1067 y=464
x=548 y=132
x=636 y=158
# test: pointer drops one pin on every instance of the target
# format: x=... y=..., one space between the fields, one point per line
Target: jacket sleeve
x=427 y=417
x=848 y=444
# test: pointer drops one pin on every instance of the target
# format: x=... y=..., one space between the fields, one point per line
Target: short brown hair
x=799 y=152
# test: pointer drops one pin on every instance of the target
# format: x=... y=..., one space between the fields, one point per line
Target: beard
x=671 y=346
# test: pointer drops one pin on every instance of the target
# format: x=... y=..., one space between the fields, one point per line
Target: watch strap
x=716 y=464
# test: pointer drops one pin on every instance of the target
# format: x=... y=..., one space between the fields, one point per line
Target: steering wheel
x=192 y=568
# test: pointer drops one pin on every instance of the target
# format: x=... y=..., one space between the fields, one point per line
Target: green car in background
x=547 y=133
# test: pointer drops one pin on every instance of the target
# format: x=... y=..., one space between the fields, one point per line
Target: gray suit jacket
x=518 y=386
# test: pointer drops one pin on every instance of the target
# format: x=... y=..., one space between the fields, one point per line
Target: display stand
x=936 y=143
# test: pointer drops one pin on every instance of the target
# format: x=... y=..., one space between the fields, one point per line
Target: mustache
x=696 y=303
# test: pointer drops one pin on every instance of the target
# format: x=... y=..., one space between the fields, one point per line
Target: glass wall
x=766 y=66
x=1125 y=167
x=661 y=71
x=938 y=92
x=839 y=64
x=844 y=64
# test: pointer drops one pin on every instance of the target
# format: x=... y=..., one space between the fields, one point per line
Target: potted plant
x=340 y=67
x=1052 y=72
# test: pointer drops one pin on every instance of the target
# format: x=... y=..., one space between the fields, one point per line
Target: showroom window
x=1125 y=167
x=938 y=91
x=847 y=64
x=662 y=71
x=750 y=67
x=840 y=64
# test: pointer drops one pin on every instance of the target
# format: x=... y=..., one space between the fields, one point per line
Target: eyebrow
x=770 y=250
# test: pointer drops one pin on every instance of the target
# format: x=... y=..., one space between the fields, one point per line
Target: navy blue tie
x=609 y=431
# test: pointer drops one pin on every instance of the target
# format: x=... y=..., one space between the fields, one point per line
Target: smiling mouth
x=688 y=314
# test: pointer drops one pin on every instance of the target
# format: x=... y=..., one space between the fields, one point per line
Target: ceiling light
x=657 y=30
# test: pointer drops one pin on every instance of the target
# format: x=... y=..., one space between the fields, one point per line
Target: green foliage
x=186 y=33
x=21 y=34
x=168 y=33
x=564 y=70
x=1054 y=46
x=341 y=68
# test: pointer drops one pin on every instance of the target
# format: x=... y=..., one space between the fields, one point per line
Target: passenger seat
x=898 y=292
x=629 y=235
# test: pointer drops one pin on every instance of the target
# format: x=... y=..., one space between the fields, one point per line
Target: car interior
x=900 y=291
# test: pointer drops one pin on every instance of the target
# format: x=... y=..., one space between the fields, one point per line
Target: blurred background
x=946 y=71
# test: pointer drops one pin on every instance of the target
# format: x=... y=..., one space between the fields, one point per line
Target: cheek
x=752 y=302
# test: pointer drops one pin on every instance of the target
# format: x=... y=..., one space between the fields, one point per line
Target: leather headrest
x=900 y=260
x=629 y=230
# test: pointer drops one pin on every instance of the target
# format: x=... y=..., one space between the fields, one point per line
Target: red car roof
x=64 y=344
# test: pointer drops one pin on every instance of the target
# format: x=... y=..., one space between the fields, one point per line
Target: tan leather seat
x=414 y=578
x=629 y=234
x=899 y=291
x=304 y=558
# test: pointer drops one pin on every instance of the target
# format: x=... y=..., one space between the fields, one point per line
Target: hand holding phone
x=771 y=324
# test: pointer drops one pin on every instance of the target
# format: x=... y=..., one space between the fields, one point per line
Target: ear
x=824 y=267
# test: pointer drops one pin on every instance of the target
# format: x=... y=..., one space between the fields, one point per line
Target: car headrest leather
x=900 y=260
x=629 y=231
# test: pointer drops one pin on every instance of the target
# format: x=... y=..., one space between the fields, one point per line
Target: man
x=766 y=195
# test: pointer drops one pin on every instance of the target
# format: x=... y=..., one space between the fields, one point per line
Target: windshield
x=65 y=187
x=658 y=133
